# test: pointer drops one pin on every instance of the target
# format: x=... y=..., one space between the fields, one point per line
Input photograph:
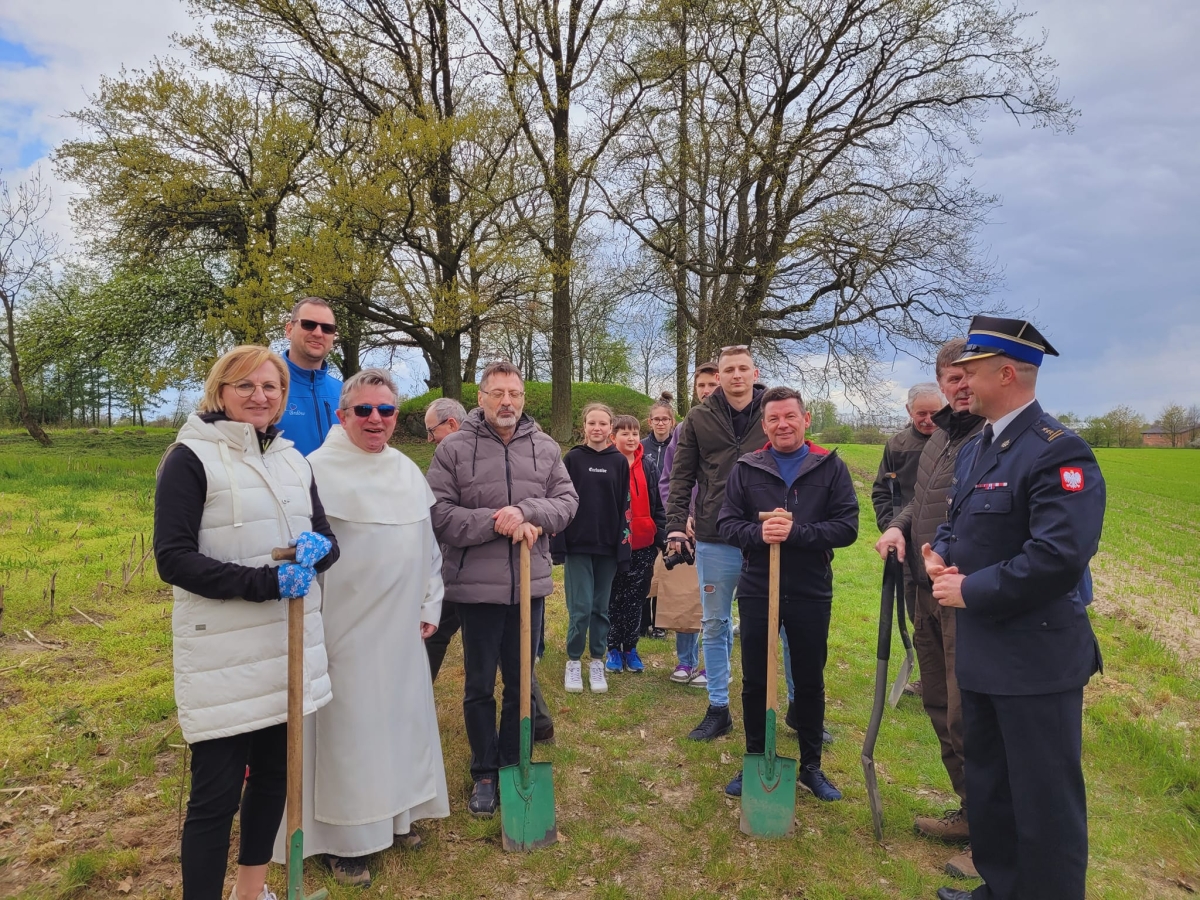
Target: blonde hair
x=237 y=364
x=596 y=407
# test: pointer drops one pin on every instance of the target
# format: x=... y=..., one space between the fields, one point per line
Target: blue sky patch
x=17 y=54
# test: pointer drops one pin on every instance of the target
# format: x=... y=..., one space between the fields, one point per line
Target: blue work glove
x=294 y=579
x=310 y=548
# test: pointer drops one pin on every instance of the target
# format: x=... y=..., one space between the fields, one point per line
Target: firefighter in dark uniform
x=1025 y=517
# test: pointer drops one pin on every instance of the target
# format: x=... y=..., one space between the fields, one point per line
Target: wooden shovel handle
x=284 y=554
x=526 y=636
x=773 y=611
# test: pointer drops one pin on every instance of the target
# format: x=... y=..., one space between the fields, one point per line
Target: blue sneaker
x=814 y=779
x=633 y=662
x=613 y=662
x=734 y=788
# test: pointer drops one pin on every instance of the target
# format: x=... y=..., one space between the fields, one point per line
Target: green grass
x=88 y=726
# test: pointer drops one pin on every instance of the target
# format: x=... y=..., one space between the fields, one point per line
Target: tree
x=26 y=253
x=824 y=415
x=563 y=70
x=1174 y=421
x=832 y=217
x=1125 y=426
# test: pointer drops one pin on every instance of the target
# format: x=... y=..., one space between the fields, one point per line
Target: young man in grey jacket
x=495 y=482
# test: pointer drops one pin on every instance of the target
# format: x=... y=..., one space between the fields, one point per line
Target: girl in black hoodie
x=593 y=545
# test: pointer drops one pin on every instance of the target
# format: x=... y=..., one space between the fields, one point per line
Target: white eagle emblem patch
x=1072 y=478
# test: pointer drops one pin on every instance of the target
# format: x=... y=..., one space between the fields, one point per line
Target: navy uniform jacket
x=1024 y=521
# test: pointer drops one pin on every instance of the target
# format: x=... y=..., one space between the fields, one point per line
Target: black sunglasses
x=310 y=325
x=363 y=410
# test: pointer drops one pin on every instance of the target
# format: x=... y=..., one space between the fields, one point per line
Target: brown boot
x=962 y=866
x=951 y=827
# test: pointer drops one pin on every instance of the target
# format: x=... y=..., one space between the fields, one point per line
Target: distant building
x=1157 y=436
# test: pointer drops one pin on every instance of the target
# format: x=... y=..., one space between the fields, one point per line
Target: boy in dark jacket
x=814 y=485
x=594 y=545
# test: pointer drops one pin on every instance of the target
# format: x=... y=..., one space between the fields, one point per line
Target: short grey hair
x=367 y=378
x=445 y=408
x=920 y=390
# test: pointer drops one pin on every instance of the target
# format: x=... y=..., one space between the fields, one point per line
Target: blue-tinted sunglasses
x=363 y=410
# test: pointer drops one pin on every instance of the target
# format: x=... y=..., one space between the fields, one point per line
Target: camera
x=685 y=555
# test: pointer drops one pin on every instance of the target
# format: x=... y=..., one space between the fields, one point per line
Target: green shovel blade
x=768 y=790
x=527 y=800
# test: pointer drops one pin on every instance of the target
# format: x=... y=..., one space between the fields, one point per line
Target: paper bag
x=678 y=592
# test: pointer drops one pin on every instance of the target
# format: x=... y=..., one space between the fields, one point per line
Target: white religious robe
x=372 y=755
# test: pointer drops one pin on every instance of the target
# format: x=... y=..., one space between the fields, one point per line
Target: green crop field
x=91 y=762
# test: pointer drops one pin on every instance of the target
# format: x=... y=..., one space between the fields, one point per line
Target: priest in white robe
x=372 y=755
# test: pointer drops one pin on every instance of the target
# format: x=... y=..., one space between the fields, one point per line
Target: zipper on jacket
x=512 y=580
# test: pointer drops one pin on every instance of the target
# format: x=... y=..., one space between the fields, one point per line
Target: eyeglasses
x=430 y=429
x=500 y=395
x=661 y=419
x=245 y=389
x=363 y=410
x=310 y=325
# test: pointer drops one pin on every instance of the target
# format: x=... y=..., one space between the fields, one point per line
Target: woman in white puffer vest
x=230 y=489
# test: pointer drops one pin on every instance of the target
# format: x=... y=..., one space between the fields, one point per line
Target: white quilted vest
x=230 y=656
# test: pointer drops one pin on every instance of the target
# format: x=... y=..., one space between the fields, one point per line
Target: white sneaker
x=596 y=680
x=573 y=680
x=699 y=679
x=263 y=895
x=737 y=626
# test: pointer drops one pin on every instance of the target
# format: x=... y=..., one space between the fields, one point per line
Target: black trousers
x=807 y=625
x=439 y=641
x=492 y=637
x=625 y=603
x=218 y=774
x=1028 y=812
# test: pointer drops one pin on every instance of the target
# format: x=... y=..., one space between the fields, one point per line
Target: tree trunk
x=350 y=340
x=14 y=370
x=682 y=391
x=560 y=265
x=471 y=365
x=451 y=347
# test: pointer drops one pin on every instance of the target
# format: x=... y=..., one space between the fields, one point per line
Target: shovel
x=295 y=743
x=769 y=781
x=906 y=667
x=527 y=789
x=893 y=593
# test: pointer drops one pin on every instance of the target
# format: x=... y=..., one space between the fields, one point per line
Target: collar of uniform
x=1004 y=421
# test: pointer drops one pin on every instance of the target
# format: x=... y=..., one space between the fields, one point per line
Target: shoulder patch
x=1048 y=431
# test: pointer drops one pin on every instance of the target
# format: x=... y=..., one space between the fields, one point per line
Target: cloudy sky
x=1098 y=231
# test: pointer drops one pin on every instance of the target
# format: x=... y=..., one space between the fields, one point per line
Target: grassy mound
x=623 y=400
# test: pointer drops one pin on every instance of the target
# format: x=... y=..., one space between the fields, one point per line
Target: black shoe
x=715 y=723
x=950 y=893
x=814 y=779
x=657 y=633
x=826 y=737
x=483 y=798
x=544 y=735
x=734 y=788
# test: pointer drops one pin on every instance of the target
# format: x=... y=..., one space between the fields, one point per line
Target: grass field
x=91 y=760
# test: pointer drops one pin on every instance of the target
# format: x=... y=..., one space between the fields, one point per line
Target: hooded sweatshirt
x=601 y=525
x=647 y=519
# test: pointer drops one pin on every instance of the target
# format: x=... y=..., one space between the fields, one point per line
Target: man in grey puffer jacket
x=496 y=481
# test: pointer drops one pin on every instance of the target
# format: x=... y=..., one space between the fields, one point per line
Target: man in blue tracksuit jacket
x=313 y=394
x=814 y=485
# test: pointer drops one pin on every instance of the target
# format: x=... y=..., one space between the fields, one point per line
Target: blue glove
x=294 y=580
x=310 y=548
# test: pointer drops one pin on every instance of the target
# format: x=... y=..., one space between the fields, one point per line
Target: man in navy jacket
x=814 y=485
x=313 y=394
x=1025 y=517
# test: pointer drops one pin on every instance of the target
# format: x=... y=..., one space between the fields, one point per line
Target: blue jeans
x=687 y=649
x=718 y=567
x=787 y=665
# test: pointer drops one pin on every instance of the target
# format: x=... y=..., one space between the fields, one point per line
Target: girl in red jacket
x=648 y=533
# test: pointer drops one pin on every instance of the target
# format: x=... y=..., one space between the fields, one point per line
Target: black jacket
x=897 y=476
x=653 y=452
x=705 y=454
x=824 y=510
x=601 y=524
x=1024 y=522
